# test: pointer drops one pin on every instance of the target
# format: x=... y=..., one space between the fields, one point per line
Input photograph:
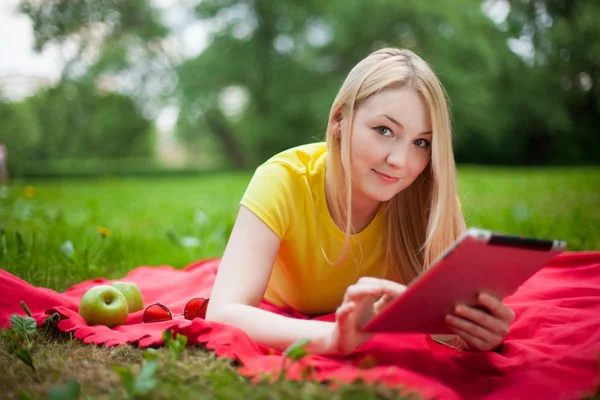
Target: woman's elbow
x=213 y=313
x=221 y=312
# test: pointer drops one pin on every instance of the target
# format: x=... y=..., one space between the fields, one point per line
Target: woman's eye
x=423 y=143
x=382 y=130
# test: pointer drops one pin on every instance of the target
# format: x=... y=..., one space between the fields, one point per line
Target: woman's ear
x=336 y=123
x=336 y=129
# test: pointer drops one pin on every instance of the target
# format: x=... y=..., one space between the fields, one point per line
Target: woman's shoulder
x=283 y=185
x=306 y=159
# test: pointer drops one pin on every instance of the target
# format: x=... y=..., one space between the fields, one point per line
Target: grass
x=114 y=225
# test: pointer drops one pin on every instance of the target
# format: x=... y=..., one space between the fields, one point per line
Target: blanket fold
x=552 y=350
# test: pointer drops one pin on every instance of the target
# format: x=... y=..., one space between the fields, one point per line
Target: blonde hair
x=425 y=218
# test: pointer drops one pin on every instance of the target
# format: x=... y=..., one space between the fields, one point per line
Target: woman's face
x=391 y=145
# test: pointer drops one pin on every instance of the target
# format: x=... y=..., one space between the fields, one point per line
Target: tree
x=114 y=39
x=73 y=120
x=289 y=59
x=20 y=132
x=563 y=78
x=268 y=77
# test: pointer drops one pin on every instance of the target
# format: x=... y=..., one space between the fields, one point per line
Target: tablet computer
x=478 y=261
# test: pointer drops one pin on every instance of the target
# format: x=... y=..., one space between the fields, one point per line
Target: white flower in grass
x=200 y=217
x=190 y=241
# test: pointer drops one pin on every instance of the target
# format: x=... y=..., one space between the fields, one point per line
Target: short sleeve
x=274 y=195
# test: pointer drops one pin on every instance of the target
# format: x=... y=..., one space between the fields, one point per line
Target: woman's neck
x=363 y=209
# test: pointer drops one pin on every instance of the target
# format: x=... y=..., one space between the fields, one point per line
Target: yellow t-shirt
x=288 y=194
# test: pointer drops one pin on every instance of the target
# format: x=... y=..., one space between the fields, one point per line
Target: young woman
x=343 y=226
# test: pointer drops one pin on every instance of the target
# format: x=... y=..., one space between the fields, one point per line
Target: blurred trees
x=563 y=78
x=290 y=58
x=109 y=37
x=83 y=117
x=268 y=77
x=73 y=120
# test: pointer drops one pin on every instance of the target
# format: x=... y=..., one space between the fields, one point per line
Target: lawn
x=56 y=233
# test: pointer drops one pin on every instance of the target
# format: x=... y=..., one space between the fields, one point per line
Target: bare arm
x=241 y=283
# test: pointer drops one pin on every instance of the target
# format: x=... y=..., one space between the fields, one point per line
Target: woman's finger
x=496 y=307
x=486 y=321
x=388 y=287
x=361 y=291
x=473 y=342
x=383 y=302
x=347 y=316
x=348 y=337
x=473 y=329
x=342 y=314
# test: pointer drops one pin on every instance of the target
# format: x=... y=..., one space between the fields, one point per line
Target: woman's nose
x=398 y=155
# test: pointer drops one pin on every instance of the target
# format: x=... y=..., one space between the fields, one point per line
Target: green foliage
x=52 y=319
x=67 y=249
x=141 y=384
x=138 y=212
x=21 y=249
x=26 y=325
x=25 y=356
x=23 y=327
x=114 y=40
x=70 y=390
x=175 y=345
x=25 y=308
x=563 y=95
x=556 y=203
x=73 y=120
x=113 y=30
x=284 y=61
x=79 y=167
x=150 y=354
x=55 y=21
x=295 y=352
x=291 y=58
x=504 y=110
x=147 y=379
x=20 y=131
x=79 y=121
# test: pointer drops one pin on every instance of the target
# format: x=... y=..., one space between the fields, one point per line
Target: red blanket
x=551 y=352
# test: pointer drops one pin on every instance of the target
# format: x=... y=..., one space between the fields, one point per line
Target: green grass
x=145 y=217
x=148 y=220
x=554 y=203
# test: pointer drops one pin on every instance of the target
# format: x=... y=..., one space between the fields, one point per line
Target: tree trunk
x=217 y=124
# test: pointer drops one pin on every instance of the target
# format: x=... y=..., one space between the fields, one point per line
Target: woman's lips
x=386 y=178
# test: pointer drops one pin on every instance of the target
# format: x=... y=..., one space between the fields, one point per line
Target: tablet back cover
x=458 y=277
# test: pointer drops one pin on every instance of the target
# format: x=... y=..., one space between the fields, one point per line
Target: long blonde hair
x=425 y=218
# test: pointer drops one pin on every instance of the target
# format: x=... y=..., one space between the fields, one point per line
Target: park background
x=191 y=84
x=136 y=149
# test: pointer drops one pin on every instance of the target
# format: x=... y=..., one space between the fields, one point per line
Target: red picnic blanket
x=551 y=353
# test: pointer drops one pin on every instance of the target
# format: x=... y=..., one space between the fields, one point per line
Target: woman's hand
x=482 y=331
x=362 y=301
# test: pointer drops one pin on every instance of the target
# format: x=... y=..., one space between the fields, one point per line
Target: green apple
x=104 y=305
x=132 y=294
